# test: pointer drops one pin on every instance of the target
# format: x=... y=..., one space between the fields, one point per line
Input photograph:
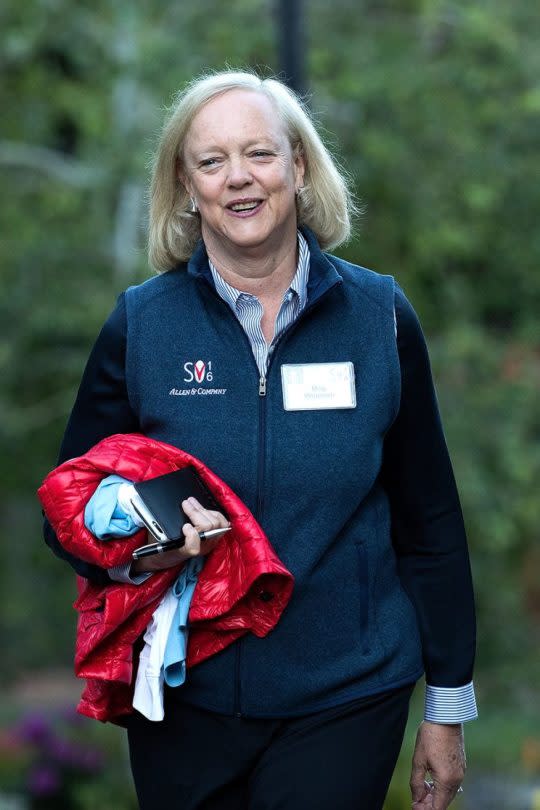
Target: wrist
x=432 y=730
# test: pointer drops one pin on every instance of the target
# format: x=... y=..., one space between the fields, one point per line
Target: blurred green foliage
x=434 y=108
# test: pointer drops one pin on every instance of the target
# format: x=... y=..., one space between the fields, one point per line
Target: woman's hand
x=202 y=520
x=440 y=749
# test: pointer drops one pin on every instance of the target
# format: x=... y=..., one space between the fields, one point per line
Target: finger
x=419 y=787
x=211 y=513
x=427 y=790
x=198 y=516
x=427 y=800
x=442 y=796
x=203 y=519
x=222 y=521
x=425 y=804
x=192 y=545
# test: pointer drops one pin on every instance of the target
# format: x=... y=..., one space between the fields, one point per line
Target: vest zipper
x=261 y=456
x=261 y=461
x=262 y=409
x=260 y=469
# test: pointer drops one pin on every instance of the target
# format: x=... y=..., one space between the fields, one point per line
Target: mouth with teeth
x=245 y=208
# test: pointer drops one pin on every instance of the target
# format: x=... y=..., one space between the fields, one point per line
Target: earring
x=194 y=208
x=300 y=191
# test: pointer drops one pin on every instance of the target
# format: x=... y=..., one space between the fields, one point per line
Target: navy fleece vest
x=309 y=477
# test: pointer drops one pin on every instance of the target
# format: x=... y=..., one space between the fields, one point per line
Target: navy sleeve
x=427 y=523
x=101 y=409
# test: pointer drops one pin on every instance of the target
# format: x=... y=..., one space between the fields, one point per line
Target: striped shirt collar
x=298 y=286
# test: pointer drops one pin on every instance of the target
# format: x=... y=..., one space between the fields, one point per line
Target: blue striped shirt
x=450 y=704
x=248 y=309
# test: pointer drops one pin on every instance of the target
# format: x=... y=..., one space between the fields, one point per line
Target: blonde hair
x=325 y=204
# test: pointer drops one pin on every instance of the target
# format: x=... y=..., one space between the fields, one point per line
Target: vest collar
x=322 y=273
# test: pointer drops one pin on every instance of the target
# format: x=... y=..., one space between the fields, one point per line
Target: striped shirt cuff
x=450 y=704
x=121 y=573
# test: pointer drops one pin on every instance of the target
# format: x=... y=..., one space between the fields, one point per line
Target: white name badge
x=318 y=386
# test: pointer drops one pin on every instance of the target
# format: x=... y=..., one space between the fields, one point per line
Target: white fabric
x=148 y=695
x=126 y=493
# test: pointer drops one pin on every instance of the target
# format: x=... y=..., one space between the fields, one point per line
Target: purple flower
x=60 y=750
x=91 y=760
x=43 y=781
x=53 y=757
x=74 y=756
x=34 y=728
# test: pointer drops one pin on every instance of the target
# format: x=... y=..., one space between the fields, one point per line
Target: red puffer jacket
x=242 y=587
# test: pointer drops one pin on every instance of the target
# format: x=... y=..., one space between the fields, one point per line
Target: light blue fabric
x=174 y=660
x=103 y=517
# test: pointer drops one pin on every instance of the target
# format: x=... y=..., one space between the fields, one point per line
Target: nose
x=239 y=174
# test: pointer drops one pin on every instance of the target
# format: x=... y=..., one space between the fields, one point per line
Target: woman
x=303 y=382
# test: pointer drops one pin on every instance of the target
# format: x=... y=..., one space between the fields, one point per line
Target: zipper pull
x=262 y=386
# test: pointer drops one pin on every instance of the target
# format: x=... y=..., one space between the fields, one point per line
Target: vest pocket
x=363 y=583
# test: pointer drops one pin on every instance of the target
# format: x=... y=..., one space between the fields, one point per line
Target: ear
x=183 y=177
x=299 y=166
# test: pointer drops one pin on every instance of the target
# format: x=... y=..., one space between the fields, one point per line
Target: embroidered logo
x=199 y=371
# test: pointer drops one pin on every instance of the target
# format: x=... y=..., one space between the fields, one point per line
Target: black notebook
x=159 y=502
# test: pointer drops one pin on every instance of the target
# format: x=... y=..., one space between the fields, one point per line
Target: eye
x=261 y=153
x=208 y=163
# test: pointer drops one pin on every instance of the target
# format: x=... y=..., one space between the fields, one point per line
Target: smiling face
x=240 y=169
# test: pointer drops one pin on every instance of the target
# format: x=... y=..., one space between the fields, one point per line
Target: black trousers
x=337 y=759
